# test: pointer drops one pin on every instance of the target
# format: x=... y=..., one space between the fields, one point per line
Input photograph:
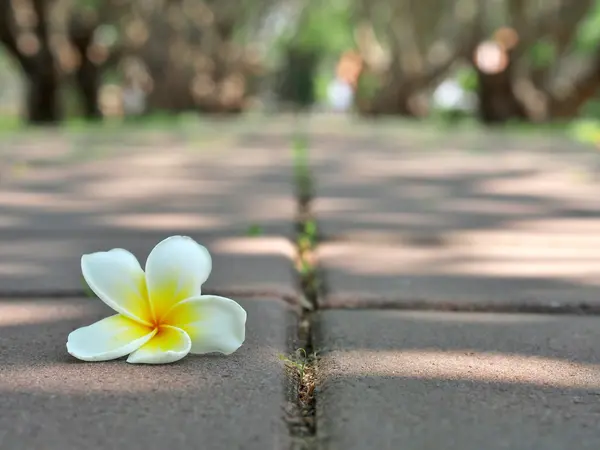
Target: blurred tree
x=296 y=85
x=25 y=35
x=191 y=54
x=532 y=59
x=526 y=59
x=184 y=54
x=54 y=41
x=89 y=57
x=316 y=35
x=408 y=45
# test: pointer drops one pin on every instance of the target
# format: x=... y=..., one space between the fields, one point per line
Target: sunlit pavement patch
x=457 y=381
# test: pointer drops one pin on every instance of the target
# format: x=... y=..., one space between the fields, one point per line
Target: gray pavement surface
x=458 y=381
x=547 y=275
x=65 y=194
x=237 y=201
x=401 y=187
x=47 y=263
x=467 y=218
x=49 y=400
x=408 y=217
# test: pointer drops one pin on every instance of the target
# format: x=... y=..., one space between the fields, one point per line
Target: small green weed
x=296 y=362
x=254 y=230
x=302 y=167
x=301 y=366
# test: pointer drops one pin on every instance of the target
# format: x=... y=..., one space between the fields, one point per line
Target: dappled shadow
x=401 y=189
x=61 y=203
x=52 y=400
x=458 y=380
x=469 y=217
x=406 y=212
x=520 y=277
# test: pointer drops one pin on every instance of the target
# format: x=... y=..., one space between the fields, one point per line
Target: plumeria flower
x=161 y=315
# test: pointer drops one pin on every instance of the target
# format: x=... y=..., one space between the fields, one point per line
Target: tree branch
x=583 y=89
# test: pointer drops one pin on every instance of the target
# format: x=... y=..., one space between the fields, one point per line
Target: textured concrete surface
x=503 y=275
x=208 y=190
x=63 y=203
x=50 y=264
x=52 y=401
x=464 y=381
x=408 y=216
x=468 y=218
x=399 y=187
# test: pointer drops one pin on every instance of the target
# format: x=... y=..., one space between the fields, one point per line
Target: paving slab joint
x=287 y=296
x=366 y=302
x=301 y=365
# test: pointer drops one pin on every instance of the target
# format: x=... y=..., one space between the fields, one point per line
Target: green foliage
x=588 y=35
x=587 y=131
x=542 y=54
x=9 y=124
x=326 y=26
x=322 y=32
x=450 y=118
x=368 y=86
x=322 y=84
x=592 y=108
x=467 y=79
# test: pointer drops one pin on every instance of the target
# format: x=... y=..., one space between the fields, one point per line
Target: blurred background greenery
x=490 y=61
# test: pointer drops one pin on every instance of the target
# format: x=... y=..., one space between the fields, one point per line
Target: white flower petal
x=215 y=324
x=107 y=339
x=175 y=270
x=170 y=344
x=118 y=280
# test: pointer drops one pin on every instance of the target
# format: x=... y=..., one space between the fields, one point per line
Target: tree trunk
x=497 y=100
x=88 y=74
x=384 y=95
x=88 y=84
x=42 y=102
x=397 y=103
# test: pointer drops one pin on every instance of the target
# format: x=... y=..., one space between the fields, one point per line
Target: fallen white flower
x=161 y=315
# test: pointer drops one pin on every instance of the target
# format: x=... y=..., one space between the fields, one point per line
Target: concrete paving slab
x=401 y=187
x=457 y=381
x=225 y=190
x=52 y=401
x=237 y=201
x=516 y=222
x=510 y=270
x=46 y=264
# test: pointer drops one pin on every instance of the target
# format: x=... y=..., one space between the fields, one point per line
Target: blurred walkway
x=414 y=223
